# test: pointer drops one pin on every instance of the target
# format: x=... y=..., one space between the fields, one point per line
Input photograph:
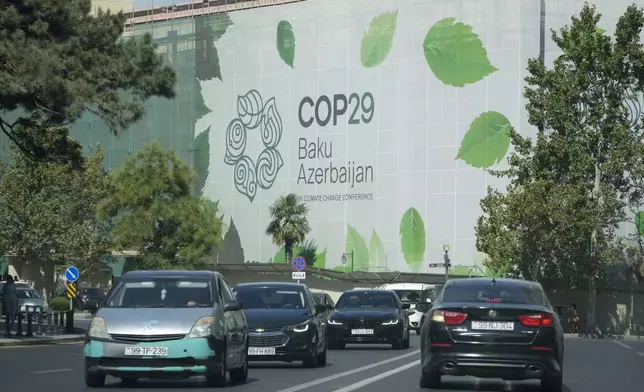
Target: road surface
x=590 y=366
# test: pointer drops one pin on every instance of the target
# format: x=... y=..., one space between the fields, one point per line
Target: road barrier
x=58 y=322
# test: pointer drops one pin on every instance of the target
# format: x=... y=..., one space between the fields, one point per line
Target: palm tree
x=289 y=224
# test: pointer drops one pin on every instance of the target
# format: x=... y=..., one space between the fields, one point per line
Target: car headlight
x=299 y=327
x=391 y=322
x=201 y=327
x=98 y=328
x=333 y=322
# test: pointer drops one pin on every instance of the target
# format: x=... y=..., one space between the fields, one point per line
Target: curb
x=43 y=342
x=604 y=337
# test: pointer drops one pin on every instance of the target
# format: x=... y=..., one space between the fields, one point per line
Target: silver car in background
x=29 y=300
x=168 y=324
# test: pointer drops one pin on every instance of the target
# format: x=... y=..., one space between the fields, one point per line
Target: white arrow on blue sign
x=72 y=274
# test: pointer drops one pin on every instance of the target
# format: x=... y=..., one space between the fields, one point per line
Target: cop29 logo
x=254 y=116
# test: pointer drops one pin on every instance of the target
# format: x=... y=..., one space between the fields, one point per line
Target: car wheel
x=128 y=381
x=322 y=357
x=312 y=360
x=216 y=374
x=240 y=375
x=94 y=380
x=552 y=383
x=397 y=344
x=430 y=380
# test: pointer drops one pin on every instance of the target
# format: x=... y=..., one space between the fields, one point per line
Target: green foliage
x=378 y=39
x=570 y=187
x=456 y=54
x=48 y=209
x=487 y=141
x=286 y=42
x=309 y=251
x=289 y=223
x=639 y=222
x=59 y=304
x=58 y=62
x=357 y=246
x=154 y=213
x=412 y=238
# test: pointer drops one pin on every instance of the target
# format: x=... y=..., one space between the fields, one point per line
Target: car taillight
x=449 y=318
x=536 y=320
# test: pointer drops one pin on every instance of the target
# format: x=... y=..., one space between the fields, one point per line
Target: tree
x=48 y=210
x=289 y=224
x=569 y=189
x=153 y=212
x=58 y=62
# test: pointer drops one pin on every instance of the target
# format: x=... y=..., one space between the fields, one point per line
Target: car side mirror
x=329 y=307
x=321 y=308
x=406 y=306
x=423 y=307
x=231 y=306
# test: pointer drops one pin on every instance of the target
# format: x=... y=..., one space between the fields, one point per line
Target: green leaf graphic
x=286 y=42
x=639 y=222
x=201 y=158
x=377 y=255
x=357 y=245
x=342 y=268
x=320 y=261
x=280 y=255
x=200 y=106
x=487 y=141
x=455 y=54
x=412 y=238
x=209 y=28
x=378 y=38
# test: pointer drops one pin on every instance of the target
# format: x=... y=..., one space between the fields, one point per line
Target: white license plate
x=493 y=326
x=145 y=351
x=362 y=332
x=261 y=351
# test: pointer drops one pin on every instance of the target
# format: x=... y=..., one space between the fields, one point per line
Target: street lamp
x=344 y=259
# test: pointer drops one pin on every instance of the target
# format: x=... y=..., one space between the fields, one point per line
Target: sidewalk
x=40 y=340
x=603 y=337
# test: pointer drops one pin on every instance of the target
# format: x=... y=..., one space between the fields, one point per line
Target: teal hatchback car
x=168 y=324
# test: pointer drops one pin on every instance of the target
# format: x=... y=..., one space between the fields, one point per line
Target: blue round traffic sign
x=72 y=274
x=299 y=263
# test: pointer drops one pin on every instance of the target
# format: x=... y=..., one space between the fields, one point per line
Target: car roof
x=479 y=281
x=169 y=274
x=271 y=284
x=375 y=291
x=408 y=286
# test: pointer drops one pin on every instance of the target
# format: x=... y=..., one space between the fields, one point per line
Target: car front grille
x=146 y=338
x=362 y=324
x=267 y=339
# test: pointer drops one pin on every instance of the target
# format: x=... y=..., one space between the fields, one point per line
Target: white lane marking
x=379 y=377
x=51 y=371
x=621 y=344
x=347 y=373
x=640 y=354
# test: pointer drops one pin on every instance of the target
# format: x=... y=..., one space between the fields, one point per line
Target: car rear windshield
x=411 y=296
x=93 y=292
x=359 y=300
x=494 y=292
x=162 y=293
x=270 y=298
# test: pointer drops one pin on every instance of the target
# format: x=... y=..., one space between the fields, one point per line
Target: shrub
x=59 y=304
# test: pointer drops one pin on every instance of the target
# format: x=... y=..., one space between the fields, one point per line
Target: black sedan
x=369 y=316
x=494 y=328
x=284 y=323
